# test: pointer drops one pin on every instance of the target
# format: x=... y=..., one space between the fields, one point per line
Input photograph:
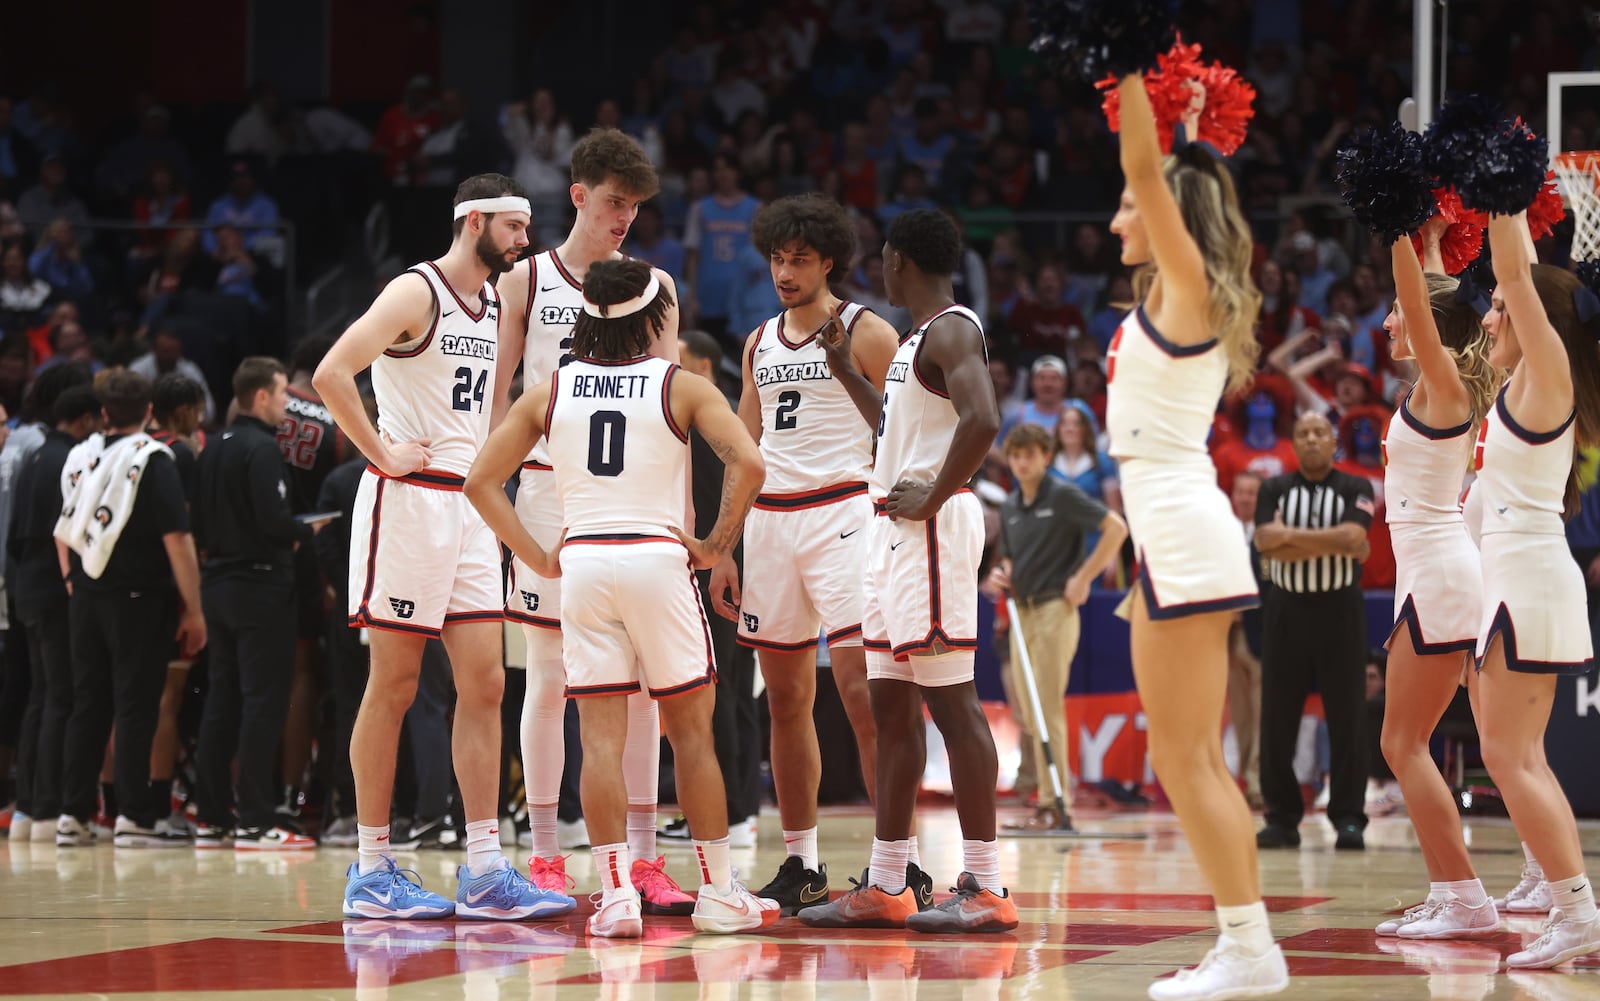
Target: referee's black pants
x=251 y=632
x=121 y=643
x=1319 y=638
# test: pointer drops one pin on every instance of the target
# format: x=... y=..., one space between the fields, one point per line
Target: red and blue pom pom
x=1380 y=176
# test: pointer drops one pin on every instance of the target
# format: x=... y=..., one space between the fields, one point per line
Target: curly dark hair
x=613 y=155
x=614 y=339
x=172 y=391
x=928 y=239
x=811 y=220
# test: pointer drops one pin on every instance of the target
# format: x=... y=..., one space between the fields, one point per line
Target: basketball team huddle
x=846 y=471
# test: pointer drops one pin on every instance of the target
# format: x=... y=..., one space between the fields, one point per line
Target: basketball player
x=935 y=424
x=422 y=563
x=615 y=423
x=804 y=545
x=543 y=296
x=312 y=447
x=1167 y=366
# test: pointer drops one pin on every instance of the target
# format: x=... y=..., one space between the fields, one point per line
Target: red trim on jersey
x=751 y=345
x=595 y=691
x=666 y=405
x=880 y=505
x=384 y=626
x=935 y=612
x=420 y=345
x=845 y=633
x=484 y=301
x=301 y=394
x=451 y=617
x=542 y=467
x=550 y=408
x=555 y=259
x=432 y=481
x=533 y=287
x=806 y=499
x=850 y=327
x=935 y=638
x=620 y=539
x=785 y=340
x=879 y=645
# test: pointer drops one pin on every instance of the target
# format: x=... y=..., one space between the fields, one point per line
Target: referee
x=1311 y=527
x=248 y=534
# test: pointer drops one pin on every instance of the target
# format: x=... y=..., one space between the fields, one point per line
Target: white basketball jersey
x=1522 y=476
x=811 y=433
x=555 y=299
x=441 y=385
x=620 y=458
x=918 y=421
x=1424 y=469
x=1161 y=398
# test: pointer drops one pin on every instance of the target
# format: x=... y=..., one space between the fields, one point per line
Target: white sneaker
x=1226 y=972
x=1393 y=925
x=72 y=832
x=21 y=827
x=617 y=915
x=1535 y=901
x=1452 y=919
x=270 y=839
x=742 y=833
x=1532 y=877
x=726 y=913
x=1563 y=939
x=571 y=835
x=129 y=834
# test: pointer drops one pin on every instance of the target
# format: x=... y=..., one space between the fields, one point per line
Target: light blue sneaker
x=505 y=894
x=391 y=892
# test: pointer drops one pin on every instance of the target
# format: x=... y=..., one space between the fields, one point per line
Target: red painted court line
x=1149 y=901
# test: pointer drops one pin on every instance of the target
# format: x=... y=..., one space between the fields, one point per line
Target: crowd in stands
x=888 y=105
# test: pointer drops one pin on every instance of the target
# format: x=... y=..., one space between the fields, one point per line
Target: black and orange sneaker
x=921 y=884
x=972 y=909
x=865 y=906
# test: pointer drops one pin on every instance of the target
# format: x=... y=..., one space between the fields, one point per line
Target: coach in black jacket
x=247 y=534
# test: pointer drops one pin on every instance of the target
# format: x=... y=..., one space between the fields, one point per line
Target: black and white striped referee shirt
x=1337 y=498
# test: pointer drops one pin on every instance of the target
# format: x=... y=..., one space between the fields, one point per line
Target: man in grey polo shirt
x=1040 y=560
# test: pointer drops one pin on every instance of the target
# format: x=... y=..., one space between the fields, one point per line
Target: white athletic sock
x=483 y=845
x=982 y=859
x=1527 y=854
x=1574 y=896
x=372 y=848
x=1468 y=891
x=544 y=748
x=714 y=866
x=1247 y=925
x=804 y=844
x=888 y=867
x=1437 y=892
x=913 y=855
x=542 y=823
x=612 y=865
x=642 y=831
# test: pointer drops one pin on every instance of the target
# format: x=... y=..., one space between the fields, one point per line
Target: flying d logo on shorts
x=403 y=608
x=530 y=601
x=752 y=623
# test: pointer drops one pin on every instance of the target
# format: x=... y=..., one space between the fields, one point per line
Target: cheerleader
x=1437 y=597
x=1168 y=364
x=1543 y=324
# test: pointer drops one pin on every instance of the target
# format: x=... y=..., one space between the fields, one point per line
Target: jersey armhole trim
x=550 y=408
x=533 y=286
x=666 y=404
x=413 y=348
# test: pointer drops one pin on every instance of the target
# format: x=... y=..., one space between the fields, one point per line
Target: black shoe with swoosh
x=921 y=884
x=795 y=887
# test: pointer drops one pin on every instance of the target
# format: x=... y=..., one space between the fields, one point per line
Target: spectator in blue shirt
x=245 y=208
x=719 y=225
x=910 y=192
x=648 y=240
x=59 y=262
x=929 y=144
x=753 y=299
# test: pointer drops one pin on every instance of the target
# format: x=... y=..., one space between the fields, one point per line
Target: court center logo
x=403 y=608
x=752 y=622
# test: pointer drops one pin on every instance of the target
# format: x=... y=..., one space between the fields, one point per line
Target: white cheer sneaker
x=1563 y=939
x=1228 y=971
x=1452 y=919
x=1392 y=926
x=1531 y=895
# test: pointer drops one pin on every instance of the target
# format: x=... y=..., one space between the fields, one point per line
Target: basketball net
x=1578 y=175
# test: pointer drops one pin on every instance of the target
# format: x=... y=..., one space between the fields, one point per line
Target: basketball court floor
x=1100 y=919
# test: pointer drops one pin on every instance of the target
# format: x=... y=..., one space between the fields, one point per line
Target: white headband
x=629 y=307
x=505 y=203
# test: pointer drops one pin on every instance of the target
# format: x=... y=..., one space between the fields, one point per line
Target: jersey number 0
x=608 y=430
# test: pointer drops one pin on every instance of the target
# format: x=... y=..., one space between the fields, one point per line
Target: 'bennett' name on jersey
x=467 y=347
x=805 y=371
x=609 y=387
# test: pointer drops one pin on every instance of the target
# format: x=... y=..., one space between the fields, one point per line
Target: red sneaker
x=659 y=893
x=550 y=874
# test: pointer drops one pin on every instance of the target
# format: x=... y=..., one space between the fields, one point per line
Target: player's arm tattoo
x=741 y=483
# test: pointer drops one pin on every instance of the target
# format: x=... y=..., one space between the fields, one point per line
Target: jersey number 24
x=468 y=394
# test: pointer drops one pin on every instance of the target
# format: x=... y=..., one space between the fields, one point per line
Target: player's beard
x=492 y=256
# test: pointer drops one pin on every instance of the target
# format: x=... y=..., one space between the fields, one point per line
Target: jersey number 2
x=608 y=429
x=467 y=393
x=788 y=403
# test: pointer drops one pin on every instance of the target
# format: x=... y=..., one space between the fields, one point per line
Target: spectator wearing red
x=1361 y=446
x=1046 y=323
x=161 y=201
x=403 y=127
x=1282 y=317
x=1259 y=445
x=858 y=172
